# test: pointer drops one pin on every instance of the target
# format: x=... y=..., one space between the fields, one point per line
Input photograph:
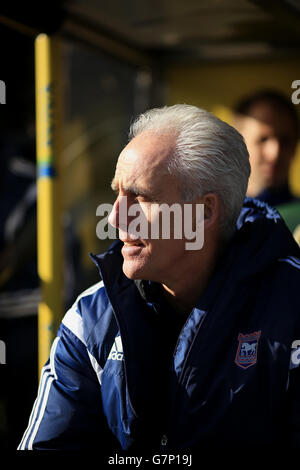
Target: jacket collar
x=139 y=337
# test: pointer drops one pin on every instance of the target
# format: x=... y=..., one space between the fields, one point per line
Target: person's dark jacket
x=234 y=377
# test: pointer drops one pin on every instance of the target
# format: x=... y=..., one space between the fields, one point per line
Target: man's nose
x=272 y=150
x=118 y=217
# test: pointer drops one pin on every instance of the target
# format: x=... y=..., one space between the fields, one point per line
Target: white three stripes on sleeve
x=73 y=321
x=47 y=377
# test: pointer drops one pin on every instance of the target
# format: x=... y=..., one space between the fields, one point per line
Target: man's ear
x=211 y=209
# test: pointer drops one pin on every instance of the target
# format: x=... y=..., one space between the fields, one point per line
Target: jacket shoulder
x=90 y=307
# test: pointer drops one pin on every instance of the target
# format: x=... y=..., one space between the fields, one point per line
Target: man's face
x=141 y=178
x=270 y=136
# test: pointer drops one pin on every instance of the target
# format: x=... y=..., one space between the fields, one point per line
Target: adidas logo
x=116 y=353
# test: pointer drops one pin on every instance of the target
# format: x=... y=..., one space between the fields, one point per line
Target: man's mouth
x=132 y=247
x=136 y=243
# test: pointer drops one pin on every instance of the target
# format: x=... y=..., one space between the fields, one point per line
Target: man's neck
x=184 y=295
x=178 y=302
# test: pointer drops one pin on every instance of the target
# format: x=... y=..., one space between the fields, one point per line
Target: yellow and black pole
x=49 y=211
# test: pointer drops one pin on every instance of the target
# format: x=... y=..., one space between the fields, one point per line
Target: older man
x=179 y=350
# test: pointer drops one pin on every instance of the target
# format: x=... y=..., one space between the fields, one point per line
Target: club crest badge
x=246 y=355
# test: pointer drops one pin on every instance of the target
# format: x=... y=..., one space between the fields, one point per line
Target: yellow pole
x=49 y=221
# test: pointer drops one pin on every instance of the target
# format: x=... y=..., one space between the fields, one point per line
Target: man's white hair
x=209 y=156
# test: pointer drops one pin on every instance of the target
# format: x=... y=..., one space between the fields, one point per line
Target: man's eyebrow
x=136 y=190
x=148 y=194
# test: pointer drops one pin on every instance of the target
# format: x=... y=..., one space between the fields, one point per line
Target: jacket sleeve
x=67 y=414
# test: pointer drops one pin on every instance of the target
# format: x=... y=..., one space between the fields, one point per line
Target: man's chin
x=133 y=272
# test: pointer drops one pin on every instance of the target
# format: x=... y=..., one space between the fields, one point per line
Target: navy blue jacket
x=234 y=378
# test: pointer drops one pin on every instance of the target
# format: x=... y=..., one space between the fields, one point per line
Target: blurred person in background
x=269 y=124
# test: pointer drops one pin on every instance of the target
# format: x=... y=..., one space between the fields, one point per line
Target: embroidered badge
x=246 y=355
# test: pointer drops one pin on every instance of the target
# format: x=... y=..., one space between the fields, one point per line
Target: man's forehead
x=150 y=147
x=146 y=153
x=128 y=179
x=130 y=170
x=137 y=180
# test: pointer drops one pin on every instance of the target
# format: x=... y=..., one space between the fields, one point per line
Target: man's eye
x=144 y=199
